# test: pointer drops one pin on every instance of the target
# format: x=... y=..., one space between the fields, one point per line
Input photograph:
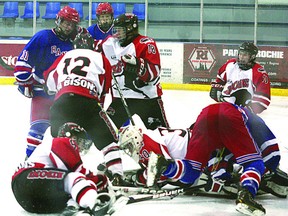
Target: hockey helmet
x=250 y=49
x=130 y=141
x=104 y=13
x=67 y=21
x=125 y=28
x=78 y=134
x=69 y=14
x=83 y=41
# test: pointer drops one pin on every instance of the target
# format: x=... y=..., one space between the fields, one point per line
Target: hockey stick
x=123 y=100
x=166 y=193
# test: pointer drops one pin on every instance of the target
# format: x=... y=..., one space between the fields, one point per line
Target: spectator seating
x=94 y=6
x=28 y=11
x=78 y=6
x=139 y=10
x=119 y=8
x=52 y=8
x=10 y=10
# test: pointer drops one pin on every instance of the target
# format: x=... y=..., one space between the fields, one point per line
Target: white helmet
x=130 y=141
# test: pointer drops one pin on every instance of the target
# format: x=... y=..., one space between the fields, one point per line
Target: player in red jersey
x=135 y=62
x=80 y=80
x=54 y=176
x=244 y=74
x=181 y=155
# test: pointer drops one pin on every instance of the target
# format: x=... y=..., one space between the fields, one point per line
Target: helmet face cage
x=67 y=16
x=130 y=141
x=83 y=41
x=119 y=33
x=128 y=21
x=78 y=134
x=247 y=48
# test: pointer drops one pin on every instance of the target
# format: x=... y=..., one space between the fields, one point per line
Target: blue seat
x=28 y=11
x=119 y=8
x=52 y=8
x=78 y=6
x=10 y=10
x=139 y=11
x=94 y=7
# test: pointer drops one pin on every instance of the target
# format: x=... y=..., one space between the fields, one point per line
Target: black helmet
x=252 y=50
x=73 y=130
x=83 y=41
x=129 y=23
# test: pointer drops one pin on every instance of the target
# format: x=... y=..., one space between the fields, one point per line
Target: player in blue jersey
x=36 y=57
x=103 y=27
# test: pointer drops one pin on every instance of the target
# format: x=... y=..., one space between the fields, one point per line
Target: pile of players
x=69 y=72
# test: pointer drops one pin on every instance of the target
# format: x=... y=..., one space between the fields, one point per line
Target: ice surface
x=182 y=108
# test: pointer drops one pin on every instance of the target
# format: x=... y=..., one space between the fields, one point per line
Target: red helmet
x=69 y=14
x=104 y=8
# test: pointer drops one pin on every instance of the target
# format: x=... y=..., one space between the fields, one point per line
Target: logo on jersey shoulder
x=146 y=40
x=46 y=174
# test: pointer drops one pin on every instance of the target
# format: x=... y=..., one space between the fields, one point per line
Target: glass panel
x=225 y=21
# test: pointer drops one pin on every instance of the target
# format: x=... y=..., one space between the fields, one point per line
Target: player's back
x=82 y=71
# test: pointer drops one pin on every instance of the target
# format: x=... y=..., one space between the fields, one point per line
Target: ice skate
x=247 y=205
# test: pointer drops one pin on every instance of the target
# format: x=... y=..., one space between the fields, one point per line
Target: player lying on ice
x=182 y=155
x=54 y=180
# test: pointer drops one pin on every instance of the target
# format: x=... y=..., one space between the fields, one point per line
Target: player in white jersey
x=243 y=81
x=80 y=80
x=54 y=176
x=135 y=62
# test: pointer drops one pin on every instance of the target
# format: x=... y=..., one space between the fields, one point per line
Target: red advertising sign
x=202 y=61
x=8 y=57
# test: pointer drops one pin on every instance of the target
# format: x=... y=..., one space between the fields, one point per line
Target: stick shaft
x=123 y=100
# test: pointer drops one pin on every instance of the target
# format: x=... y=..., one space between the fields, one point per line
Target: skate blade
x=244 y=209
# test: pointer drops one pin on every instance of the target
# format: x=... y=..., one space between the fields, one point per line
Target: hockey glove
x=216 y=91
x=214 y=185
x=133 y=65
x=26 y=86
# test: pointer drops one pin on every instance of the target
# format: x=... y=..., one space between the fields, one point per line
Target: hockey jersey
x=39 y=54
x=141 y=47
x=255 y=80
x=80 y=71
x=97 y=33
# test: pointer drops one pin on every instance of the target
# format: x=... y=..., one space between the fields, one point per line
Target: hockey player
x=243 y=74
x=37 y=56
x=218 y=125
x=135 y=62
x=80 y=79
x=103 y=27
x=268 y=145
x=54 y=176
